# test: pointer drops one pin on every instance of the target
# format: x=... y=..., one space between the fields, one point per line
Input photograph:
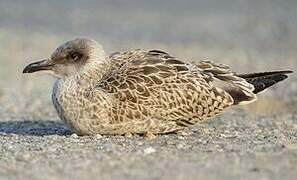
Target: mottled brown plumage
x=137 y=91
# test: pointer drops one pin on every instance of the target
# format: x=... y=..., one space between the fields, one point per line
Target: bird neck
x=92 y=74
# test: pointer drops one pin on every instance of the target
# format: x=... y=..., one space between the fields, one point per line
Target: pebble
x=74 y=135
x=180 y=146
x=24 y=157
x=98 y=136
x=180 y=137
x=149 y=150
x=291 y=146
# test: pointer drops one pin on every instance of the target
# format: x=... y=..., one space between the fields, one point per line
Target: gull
x=142 y=92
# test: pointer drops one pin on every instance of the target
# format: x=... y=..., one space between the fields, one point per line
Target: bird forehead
x=82 y=46
x=65 y=49
x=60 y=52
x=79 y=44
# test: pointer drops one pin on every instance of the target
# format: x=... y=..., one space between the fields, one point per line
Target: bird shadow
x=34 y=128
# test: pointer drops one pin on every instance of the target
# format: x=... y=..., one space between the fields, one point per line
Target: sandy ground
x=235 y=145
x=258 y=141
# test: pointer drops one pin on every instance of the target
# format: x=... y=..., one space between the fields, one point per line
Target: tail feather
x=264 y=80
x=241 y=87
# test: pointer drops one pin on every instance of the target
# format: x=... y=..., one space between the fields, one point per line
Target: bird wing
x=155 y=84
x=222 y=76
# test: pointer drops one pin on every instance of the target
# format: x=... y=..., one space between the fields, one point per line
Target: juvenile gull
x=142 y=92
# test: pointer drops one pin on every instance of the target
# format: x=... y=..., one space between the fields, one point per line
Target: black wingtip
x=286 y=72
x=264 y=80
x=253 y=75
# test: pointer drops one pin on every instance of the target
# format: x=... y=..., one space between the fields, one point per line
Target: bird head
x=70 y=58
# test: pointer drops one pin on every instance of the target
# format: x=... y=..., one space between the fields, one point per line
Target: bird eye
x=75 y=56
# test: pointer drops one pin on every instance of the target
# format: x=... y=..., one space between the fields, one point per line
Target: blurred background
x=250 y=36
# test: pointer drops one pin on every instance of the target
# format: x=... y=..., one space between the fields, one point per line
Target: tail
x=241 y=87
x=264 y=80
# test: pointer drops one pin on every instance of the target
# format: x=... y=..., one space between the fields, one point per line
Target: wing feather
x=164 y=87
x=240 y=90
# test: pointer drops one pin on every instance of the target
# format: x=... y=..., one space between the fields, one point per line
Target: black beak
x=38 y=66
